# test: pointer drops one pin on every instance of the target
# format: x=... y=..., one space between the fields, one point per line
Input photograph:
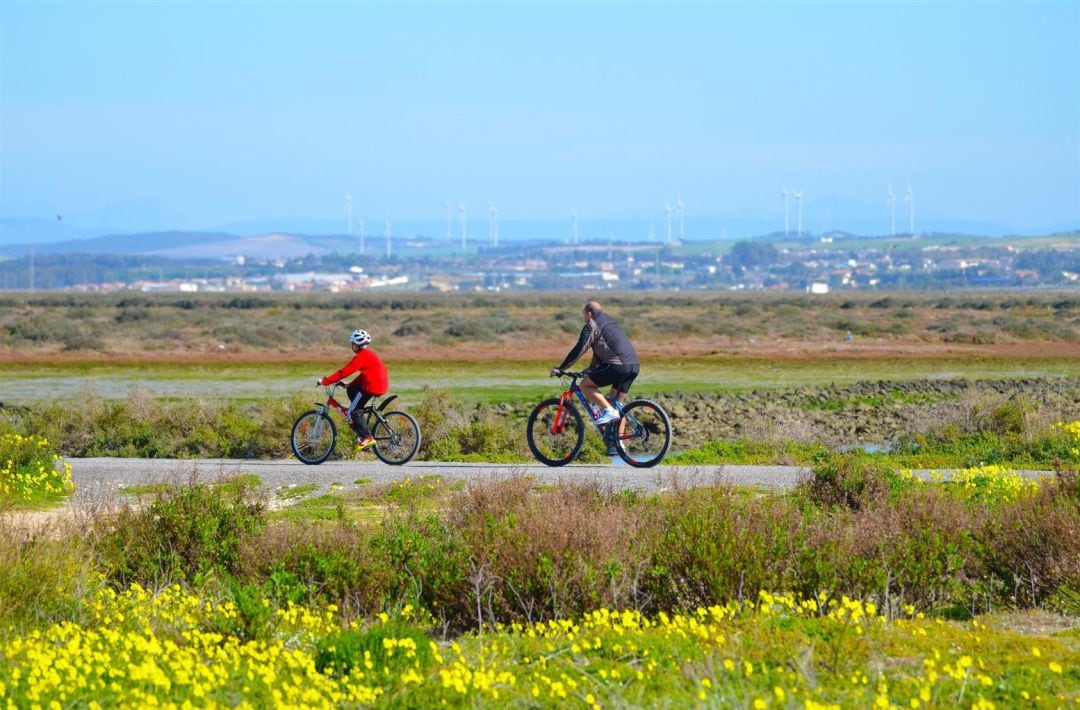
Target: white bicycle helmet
x=359 y=337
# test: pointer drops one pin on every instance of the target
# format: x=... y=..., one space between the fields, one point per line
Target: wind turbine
x=573 y=225
x=348 y=211
x=389 y=231
x=891 y=202
x=910 y=197
x=667 y=213
x=784 y=192
x=798 y=204
x=361 y=225
x=493 y=224
x=464 y=226
x=681 y=211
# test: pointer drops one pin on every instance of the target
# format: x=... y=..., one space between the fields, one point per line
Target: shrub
x=545 y=556
x=187 y=533
x=30 y=472
x=436 y=416
x=1033 y=544
x=428 y=563
x=329 y=563
x=47 y=569
x=711 y=545
x=850 y=479
x=146 y=428
x=923 y=547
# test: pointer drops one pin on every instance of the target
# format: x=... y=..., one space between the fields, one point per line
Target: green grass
x=335 y=507
x=240 y=483
x=295 y=492
x=1011 y=450
x=746 y=452
x=495 y=382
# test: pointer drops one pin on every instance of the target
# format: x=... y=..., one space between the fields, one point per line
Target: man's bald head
x=593 y=307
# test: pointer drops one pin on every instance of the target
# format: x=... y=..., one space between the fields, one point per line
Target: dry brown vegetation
x=535 y=326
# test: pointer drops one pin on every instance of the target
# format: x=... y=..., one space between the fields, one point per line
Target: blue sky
x=203 y=114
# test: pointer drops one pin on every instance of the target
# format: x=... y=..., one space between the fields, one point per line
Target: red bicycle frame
x=561 y=413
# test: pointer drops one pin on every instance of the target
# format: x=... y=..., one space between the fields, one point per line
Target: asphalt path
x=103 y=480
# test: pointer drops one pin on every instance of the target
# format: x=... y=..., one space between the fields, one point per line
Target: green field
x=488 y=382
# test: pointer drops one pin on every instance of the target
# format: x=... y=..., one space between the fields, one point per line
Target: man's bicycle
x=556 y=429
x=397 y=435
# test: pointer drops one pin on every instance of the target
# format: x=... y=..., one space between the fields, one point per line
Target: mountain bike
x=556 y=429
x=397 y=435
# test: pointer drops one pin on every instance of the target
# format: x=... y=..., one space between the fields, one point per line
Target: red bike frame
x=331 y=402
x=561 y=414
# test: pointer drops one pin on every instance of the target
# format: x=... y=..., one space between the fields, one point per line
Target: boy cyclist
x=371 y=382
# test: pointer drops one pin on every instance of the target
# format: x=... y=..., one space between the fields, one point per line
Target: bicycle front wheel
x=644 y=434
x=555 y=432
x=313 y=437
x=397 y=438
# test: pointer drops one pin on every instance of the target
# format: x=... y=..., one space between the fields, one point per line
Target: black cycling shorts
x=618 y=376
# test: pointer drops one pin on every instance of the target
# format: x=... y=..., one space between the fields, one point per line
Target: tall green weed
x=188 y=533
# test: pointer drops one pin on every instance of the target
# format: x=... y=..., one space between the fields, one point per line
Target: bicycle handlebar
x=567 y=373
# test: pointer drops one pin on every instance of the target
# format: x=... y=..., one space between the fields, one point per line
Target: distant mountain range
x=287 y=238
x=192 y=245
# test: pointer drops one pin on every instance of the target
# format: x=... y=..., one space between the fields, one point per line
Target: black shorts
x=618 y=376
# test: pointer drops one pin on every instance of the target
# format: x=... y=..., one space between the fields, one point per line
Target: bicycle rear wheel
x=397 y=438
x=644 y=434
x=313 y=437
x=555 y=433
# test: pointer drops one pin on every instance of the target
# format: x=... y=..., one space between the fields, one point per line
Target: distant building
x=818 y=287
x=169 y=287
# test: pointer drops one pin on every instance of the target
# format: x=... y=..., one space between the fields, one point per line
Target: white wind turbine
x=910 y=197
x=784 y=192
x=891 y=202
x=681 y=211
x=464 y=226
x=389 y=231
x=667 y=213
x=573 y=225
x=493 y=224
x=798 y=204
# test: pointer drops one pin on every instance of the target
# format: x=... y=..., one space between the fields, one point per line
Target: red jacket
x=373 y=378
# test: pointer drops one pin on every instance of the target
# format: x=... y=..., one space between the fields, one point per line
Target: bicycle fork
x=320 y=422
x=560 y=417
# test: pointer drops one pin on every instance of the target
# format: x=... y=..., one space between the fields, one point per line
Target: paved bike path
x=102 y=480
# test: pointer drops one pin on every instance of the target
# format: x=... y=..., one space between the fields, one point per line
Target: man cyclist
x=614 y=360
x=371 y=382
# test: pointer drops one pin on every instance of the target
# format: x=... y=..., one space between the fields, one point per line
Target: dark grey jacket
x=609 y=344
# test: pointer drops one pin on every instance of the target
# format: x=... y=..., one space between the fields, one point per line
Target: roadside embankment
x=863 y=413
